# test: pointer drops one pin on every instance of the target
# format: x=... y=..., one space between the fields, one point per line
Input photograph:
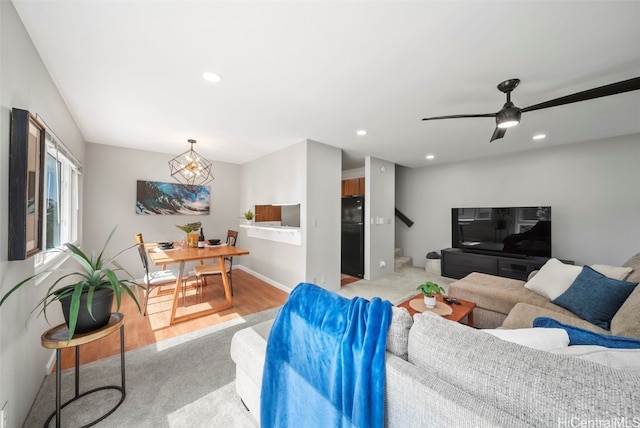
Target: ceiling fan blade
x=601 y=91
x=459 y=116
x=498 y=133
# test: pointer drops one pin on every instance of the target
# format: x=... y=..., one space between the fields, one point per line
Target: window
x=61 y=198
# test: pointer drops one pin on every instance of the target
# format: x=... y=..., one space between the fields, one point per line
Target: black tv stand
x=495 y=253
x=457 y=263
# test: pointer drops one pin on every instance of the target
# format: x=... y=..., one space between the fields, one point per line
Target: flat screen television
x=510 y=231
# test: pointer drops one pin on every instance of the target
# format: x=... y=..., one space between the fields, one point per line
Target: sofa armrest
x=248 y=350
x=523 y=314
x=536 y=386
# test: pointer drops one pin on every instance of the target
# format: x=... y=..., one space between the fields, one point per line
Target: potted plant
x=430 y=289
x=191 y=229
x=87 y=300
x=248 y=216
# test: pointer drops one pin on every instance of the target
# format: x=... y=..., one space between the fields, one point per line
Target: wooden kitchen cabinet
x=353 y=187
x=268 y=213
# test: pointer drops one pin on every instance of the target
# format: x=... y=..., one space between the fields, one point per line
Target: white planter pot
x=430 y=302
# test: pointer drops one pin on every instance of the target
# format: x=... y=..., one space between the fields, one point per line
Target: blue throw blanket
x=325 y=362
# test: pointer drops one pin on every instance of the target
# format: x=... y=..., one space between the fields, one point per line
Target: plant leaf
x=74 y=309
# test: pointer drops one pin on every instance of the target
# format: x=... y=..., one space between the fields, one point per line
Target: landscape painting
x=158 y=198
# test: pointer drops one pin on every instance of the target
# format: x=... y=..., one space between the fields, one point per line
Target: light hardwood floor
x=250 y=295
x=346 y=279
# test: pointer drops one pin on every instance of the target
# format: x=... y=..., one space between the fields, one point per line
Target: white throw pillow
x=624 y=359
x=536 y=338
x=553 y=279
x=613 y=272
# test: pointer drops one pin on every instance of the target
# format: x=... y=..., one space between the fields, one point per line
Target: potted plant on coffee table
x=430 y=289
x=87 y=296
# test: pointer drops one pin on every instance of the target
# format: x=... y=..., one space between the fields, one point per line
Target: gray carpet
x=396 y=287
x=185 y=381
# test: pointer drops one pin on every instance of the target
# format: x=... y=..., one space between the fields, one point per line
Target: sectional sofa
x=443 y=374
x=509 y=303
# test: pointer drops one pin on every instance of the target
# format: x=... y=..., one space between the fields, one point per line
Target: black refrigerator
x=353 y=236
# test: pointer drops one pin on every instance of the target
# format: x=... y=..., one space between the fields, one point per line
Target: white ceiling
x=131 y=73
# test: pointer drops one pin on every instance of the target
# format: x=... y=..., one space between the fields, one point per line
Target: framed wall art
x=156 y=198
x=26 y=184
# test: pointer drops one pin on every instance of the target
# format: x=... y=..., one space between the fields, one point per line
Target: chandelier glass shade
x=190 y=168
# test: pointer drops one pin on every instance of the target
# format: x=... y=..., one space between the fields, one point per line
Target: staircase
x=401 y=261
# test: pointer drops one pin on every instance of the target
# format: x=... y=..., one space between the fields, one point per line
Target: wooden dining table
x=182 y=254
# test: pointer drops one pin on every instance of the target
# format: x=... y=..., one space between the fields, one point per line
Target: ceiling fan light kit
x=510 y=114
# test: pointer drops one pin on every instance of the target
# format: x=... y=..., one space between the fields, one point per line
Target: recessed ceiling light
x=539 y=137
x=361 y=132
x=430 y=157
x=211 y=77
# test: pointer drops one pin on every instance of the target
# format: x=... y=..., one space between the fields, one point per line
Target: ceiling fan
x=509 y=115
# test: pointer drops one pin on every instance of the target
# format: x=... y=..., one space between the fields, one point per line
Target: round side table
x=57 y=338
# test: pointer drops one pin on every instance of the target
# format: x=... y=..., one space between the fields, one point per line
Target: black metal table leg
x=54 y=339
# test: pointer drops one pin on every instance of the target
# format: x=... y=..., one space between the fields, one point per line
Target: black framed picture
x=26 y=184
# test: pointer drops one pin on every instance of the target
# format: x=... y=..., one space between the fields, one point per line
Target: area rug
x=397 y=287
x=186 y=381
x=220 y=408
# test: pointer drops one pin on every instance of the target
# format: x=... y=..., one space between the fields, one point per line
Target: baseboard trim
x=264 y=278
x=50 y=363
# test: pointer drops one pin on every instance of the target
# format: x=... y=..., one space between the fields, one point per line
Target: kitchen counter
x=285 y=234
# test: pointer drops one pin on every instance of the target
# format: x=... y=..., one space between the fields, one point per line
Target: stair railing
x=406 y=220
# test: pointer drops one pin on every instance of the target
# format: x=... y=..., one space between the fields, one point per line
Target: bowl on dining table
x=214 y=242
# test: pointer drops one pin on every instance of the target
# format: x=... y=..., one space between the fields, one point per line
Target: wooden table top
x=460 y=311
x=58 y=337
x=180 y=254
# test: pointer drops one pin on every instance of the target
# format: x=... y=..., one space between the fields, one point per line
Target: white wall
x=110 y=179
x=591 y=188
x=348 y=174
x=26 y=84
x=324 y=201
x=276 y=178
x=379 y=217
x=307 y=173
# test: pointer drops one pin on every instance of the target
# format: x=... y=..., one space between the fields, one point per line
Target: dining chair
x=202 y=271
x=157 y=278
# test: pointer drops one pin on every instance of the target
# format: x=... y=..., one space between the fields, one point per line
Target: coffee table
x=464 y=309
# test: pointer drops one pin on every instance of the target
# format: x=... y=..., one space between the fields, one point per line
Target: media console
x=457 y=264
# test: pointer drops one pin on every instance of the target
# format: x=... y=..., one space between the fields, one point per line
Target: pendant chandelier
x=190 y=168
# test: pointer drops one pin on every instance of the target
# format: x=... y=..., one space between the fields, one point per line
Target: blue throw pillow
x=580 y=336
x=595 y=297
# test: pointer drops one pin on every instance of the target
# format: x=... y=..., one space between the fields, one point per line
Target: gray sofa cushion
x=633 y=262
x=626 y=322
x=529 y=384
x=523 y=314
x=494 y=293
x=398 y=334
